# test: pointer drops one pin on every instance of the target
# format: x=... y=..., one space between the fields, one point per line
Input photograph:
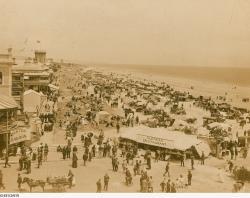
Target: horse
x=34 y=183
x=238 y=186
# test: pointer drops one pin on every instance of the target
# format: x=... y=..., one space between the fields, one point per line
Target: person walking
x=46 y=151
x=20 y=163
x=74 y=160
x=167 y=170
x=90 y=156
x=99 y=186
x=7 y=161
x=168 y=186
x=117 y=127
x=149 y=162
x=192 y=162
x=163 y=185
x=189 y=177
x=231 y=165
x=28 y=165
x=1 y=180
x=173 y=188
x=68 y=151
x=19 y=181
x=202 y=158
x=150 y=184
x=70 y=177
x=64 y=152
x=183 y=159
x=39 y=159
x=236 y=151
x=116 y=164
x=106 y=182
x=85 y=158
x=157 y=155
x=137 y=120
x=75 y=149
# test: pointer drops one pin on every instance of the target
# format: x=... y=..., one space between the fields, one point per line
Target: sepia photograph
x=124 y=96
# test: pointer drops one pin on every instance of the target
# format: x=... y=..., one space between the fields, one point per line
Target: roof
x=30 y=67
x=53 y=87
x=36 y=73
x=32 y=91
x=161 y=137
x=7 y=102
x=6 y=59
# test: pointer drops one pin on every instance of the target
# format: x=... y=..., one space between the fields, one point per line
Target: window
x=43 y=78
x=1 y=78
x=16 y=78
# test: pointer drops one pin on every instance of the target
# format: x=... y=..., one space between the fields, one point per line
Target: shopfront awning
x=7 y=102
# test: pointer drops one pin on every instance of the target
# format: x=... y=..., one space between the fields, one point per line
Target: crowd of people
x=110 y=93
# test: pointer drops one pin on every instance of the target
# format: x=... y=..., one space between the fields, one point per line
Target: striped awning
x=7 y=102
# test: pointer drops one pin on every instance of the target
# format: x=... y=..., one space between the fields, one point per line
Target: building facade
x=18 y=87
x=6 y=63
x=35 y=76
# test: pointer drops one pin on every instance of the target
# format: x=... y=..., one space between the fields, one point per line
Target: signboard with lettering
x=19 y=134
x=155 y=141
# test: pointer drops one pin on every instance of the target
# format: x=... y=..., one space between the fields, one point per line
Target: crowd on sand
x=128 y=101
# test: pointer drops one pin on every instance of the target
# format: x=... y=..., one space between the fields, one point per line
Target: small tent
x=32 y=101
x=102 y=116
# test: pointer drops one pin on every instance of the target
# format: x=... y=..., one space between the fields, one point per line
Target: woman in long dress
x=220 y=176
x=18 y=152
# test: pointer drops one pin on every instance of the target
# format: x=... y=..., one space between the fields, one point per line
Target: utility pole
x=7 y=133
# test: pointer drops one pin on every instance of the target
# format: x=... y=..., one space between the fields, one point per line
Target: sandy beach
x=199 y=84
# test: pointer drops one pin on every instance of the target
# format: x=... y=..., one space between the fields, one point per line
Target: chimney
x=10 y=52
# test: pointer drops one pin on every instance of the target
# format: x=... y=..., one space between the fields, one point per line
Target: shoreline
x=234 y=94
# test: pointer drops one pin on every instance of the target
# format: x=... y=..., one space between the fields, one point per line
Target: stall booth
x=19 y=135
x=32 y=101
x=174 y=142
x=102 y=117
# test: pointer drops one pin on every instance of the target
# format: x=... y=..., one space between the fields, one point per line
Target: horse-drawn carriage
x=32 y=183
x=59 y=183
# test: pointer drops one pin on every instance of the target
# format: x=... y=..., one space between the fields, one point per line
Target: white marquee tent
x=164 y=138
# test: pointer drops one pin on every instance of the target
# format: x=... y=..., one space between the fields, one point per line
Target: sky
x=152 y=32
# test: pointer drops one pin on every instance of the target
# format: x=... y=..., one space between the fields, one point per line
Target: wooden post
x=7 y=133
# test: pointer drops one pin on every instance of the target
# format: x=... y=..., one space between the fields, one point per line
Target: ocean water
x=228 y=75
